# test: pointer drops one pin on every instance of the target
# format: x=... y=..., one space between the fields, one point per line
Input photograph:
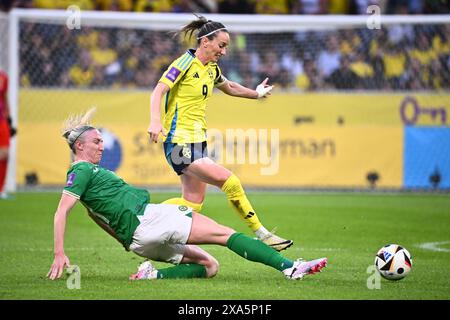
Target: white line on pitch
x=434 y=246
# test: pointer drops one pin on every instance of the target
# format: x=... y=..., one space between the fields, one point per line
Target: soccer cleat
x=302 y=268
x=276 y=242
x=145 y=271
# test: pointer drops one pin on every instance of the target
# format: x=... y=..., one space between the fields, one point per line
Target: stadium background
x=354 y=107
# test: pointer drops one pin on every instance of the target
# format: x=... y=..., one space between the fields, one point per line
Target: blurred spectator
x=293 y=61
x=363 y=69
x=45 y=4
x=88 y=38
x=153 y=6
x=438 y=79
x=103 y=54
x=414 y=76
x=361 y=6
x=401 y=34
x=82 y=73
x=236 y=6
x=64 y=4
x=328 y=59
x=394 y=61
x=441 y=42
x=272 y=7
x=436 y=7
x=310 y=6
x=284 y=80
x=415 y=6
x=114 y=5
x=344 y=77
x=180 y=6
x=98 y=79
x=423 y=50
x=6 y=5
x=105 y=59
x=349 y=41
x=338 y=6
x=202 y=6
x=269 y=66
x=310 y=79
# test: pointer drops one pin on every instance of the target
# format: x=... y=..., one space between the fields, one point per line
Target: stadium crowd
x=396 y=57
x=243 y=6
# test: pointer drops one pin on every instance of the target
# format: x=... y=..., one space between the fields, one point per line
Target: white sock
x=261 y=232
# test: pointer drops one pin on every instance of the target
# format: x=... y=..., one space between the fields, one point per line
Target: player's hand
x=263 y=89
x=60 y=261
x=154 y=130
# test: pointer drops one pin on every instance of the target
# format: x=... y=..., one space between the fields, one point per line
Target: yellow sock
x=181 y=201
x=238 y=200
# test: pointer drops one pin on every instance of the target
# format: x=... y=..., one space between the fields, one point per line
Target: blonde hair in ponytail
x=75 y=125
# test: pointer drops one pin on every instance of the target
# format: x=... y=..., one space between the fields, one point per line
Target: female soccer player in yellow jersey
x=187 y=85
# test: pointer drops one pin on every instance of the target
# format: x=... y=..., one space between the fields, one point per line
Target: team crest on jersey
x=71 y=179
x=211 y=74
x=186 y=151
x=182 y=208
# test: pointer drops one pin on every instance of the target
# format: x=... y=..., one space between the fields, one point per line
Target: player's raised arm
x=235 y=89
x=155 y=127
x=61 y=260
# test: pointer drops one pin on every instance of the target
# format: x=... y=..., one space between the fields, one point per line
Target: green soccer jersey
x=111 y=202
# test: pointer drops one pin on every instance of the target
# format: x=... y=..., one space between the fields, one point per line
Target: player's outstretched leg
x=197 y=263
x=257 y=251
x=238 y=200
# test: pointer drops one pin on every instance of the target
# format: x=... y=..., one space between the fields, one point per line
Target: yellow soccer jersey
x=191 y=84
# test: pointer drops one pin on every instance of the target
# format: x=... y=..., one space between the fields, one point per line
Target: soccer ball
x=393 y=262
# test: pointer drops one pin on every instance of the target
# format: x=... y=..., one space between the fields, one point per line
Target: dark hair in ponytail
x=205 y=28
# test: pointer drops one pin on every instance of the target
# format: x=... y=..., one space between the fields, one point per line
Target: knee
x=212 y=267
x=220 y=178
x=225 y=176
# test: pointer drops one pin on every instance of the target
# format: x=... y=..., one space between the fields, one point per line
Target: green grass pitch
x=348 y=228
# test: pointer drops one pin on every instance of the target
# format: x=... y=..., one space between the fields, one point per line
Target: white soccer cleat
x=145 y=271
x=276 y=242
x=302 y=268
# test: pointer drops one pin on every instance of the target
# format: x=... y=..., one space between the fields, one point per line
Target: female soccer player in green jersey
x=161 y=232
x=187 y=85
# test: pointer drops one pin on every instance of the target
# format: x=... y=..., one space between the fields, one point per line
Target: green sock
x=257 y=251
x=182 y=271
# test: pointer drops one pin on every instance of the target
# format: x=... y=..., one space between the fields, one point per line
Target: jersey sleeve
x=177 y=69
x=219 y=78
x=77 y=181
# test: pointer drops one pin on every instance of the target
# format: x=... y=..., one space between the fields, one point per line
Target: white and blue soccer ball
x=393 y=262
